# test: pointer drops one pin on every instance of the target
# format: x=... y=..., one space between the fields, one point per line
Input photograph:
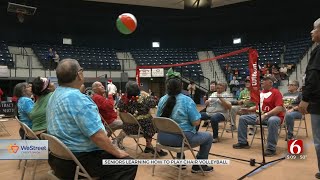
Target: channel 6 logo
x=295 y=146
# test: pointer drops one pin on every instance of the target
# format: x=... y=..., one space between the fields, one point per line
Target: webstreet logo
x=12 y=149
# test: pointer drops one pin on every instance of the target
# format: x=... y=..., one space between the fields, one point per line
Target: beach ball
x=126 y=23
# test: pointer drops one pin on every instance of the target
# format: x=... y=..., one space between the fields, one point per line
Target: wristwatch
x=266 y=114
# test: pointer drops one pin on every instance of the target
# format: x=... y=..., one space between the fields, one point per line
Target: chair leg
x=19 y=163
x=76 y=175
x=305 y=126
x=296 y=136
x=254 y=134
x=224 y=128
x=34 y=169
x=24 y=169
x=154 y=166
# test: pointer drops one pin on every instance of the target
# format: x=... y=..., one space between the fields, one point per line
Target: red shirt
x=270 y=99
x=106 y=107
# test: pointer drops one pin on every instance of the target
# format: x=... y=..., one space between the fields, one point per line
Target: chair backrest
x=60 y=150
x=28 y=132
x=128 y=118
x=166 y=125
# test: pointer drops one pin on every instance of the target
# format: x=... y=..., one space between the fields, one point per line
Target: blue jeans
x=272 y=122
x=289 y=118
x=315 y=122
x=215 y=119
x=202 y=139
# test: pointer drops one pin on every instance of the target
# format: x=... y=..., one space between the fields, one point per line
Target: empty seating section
x=5 y=56
x=296 y=49
x=151 y=57
x=268 y=52
x=89 y=58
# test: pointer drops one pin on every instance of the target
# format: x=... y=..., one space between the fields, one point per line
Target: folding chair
x=31 y=136
x=130 y=119
x=60 y=150
x=299 y=127
x=106 y=125
x=225 y=122
x=167 y=125
x=282 y=125
x=3 y=127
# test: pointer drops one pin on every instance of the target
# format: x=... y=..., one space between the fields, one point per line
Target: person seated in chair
x=243 y=102
x=138 y=103
x=205 y=97
x=107 y=111
x=23 y=92
x=183 y=111
x=272 y=116
x=291 y=101
x=42 y=88
x=74 y=119
x=218 y=106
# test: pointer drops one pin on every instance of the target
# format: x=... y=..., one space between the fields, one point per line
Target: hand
x=207 y=102
x=219 y=95
x=122 y=154
x=303 y=107
x=263 y=117
x=290 y=110
x=240 y=102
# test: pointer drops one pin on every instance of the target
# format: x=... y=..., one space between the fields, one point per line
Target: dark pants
x=214 y=119
x=92 y=162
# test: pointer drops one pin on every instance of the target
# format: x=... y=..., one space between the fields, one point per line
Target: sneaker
x=269 y=153
x=205 y=124
x=241 y=146
x=251 y=131
x=161 y=153
x=183 y=166
x=317 y=175
x=148 y=150
x=215 y=140
x=196 y=169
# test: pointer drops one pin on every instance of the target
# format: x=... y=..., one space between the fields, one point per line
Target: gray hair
x=20 y=89
x=67 y=71
x=94 y=85
x=295 y=82
x=317 y=23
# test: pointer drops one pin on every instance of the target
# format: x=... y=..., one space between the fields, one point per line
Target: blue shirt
x=73 y=117
x=25 y=106
x=184 y=112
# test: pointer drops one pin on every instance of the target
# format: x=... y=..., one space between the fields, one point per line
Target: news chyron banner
x=23 y=149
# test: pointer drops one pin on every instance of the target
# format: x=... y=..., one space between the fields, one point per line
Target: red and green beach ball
x=126 y=23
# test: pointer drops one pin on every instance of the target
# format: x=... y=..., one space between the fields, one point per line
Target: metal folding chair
x=167 y=125
x=130 y=119
x=31 y=136
x=60 y=150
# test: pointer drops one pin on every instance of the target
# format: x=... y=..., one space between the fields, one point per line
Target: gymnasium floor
x=285 y=169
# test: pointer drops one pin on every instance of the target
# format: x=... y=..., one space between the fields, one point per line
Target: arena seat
x=91 y=58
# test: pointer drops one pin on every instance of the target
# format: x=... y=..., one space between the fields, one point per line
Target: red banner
x=254 y=76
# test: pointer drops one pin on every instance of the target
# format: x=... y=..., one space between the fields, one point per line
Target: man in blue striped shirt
x=74 y=119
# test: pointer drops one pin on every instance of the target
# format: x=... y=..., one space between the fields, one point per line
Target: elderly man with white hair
x=107 y=111
x=311 y=91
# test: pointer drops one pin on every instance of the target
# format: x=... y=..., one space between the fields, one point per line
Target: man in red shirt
x=107 y=111
x=271 y=104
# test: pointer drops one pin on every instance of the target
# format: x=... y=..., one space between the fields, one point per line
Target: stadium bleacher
x=5 y=56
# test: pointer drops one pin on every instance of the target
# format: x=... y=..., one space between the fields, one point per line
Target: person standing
x=112 y=89
x=311 y=91
x=191 y=89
